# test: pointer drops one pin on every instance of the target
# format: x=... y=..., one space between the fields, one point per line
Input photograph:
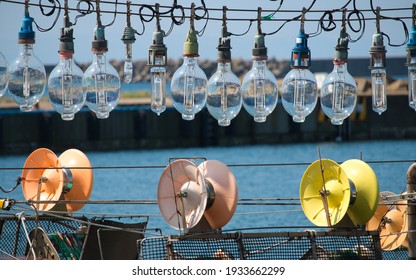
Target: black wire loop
x=83 y=10
x=55 y=6
x=361 y=24
x=405 y=30
x=176 y=14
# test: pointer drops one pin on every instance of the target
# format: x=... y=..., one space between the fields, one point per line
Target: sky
x=279 y=45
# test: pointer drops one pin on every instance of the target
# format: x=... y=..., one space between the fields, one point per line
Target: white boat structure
x=351 y=218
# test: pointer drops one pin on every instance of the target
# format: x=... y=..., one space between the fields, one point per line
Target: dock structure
x=133 y=125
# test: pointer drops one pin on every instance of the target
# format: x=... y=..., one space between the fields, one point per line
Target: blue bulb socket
x=412 y=38
x=26 y=33
x=99 y=44
x=411 y=47
x=301 y=54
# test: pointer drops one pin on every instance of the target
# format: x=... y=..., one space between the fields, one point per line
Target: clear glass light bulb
x=66 y=88
x=4 y=80
x=27 y=78
x=338 y=94
x=158 y=82
x=102 y=84
x=189 y=88
x=128 y=64
x=299 y=93
x=379 y=87
x=259 y=91
x=224 y=96
x=412 y=83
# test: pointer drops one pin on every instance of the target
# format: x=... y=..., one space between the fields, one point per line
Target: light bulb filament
x=26 y=74
x=157 y=89
x=378 y=77
x=259 y=90
x=66 y=84
x=100 y=79
x=189 y=88
x=339 y=87
x=223 y=94
x=101 y=92
x=158 y=80
x=128 y=71
x=26 y=85
x=67 y=92
x=259 y=96
x=412 y=87
x=299 y=95
x=379 y=91
x=128 y=64
x=338 y=101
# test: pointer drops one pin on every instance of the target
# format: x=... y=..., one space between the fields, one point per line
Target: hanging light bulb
x=259 y=88
x=189 y=83
x=157 y=60
x=101 y=79
x=4 y=80
x=299 y=87
x=27 y=75
x=224 y=96
x=65 y=84
x=411 y=61
x=128 y=39
x=378 y=70
x=339 y=90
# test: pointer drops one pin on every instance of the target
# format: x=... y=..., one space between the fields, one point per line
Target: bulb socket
x=341 y=49
x=411 y=48
x=259 y=51
x=26 y=33
x=66 y=44
x=190 y=47
x=157 y=51
x=99 y=44
x=128 y=35
x=224 y=50
x=301 y=54
x=377 y=52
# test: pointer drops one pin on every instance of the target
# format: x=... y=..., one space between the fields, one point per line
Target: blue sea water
x=134 y=175
x=146 y=86
x=134 y=87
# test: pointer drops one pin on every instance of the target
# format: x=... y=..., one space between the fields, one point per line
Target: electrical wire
x=326 y=21
x=18 y=181
x=260 y=164
x=48 y=14
x=89 y=8
x=405 y=30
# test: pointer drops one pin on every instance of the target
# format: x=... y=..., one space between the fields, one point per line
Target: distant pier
x=137 y=127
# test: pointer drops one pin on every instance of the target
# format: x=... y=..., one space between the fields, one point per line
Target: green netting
x=13 y=240
x=102 y=238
